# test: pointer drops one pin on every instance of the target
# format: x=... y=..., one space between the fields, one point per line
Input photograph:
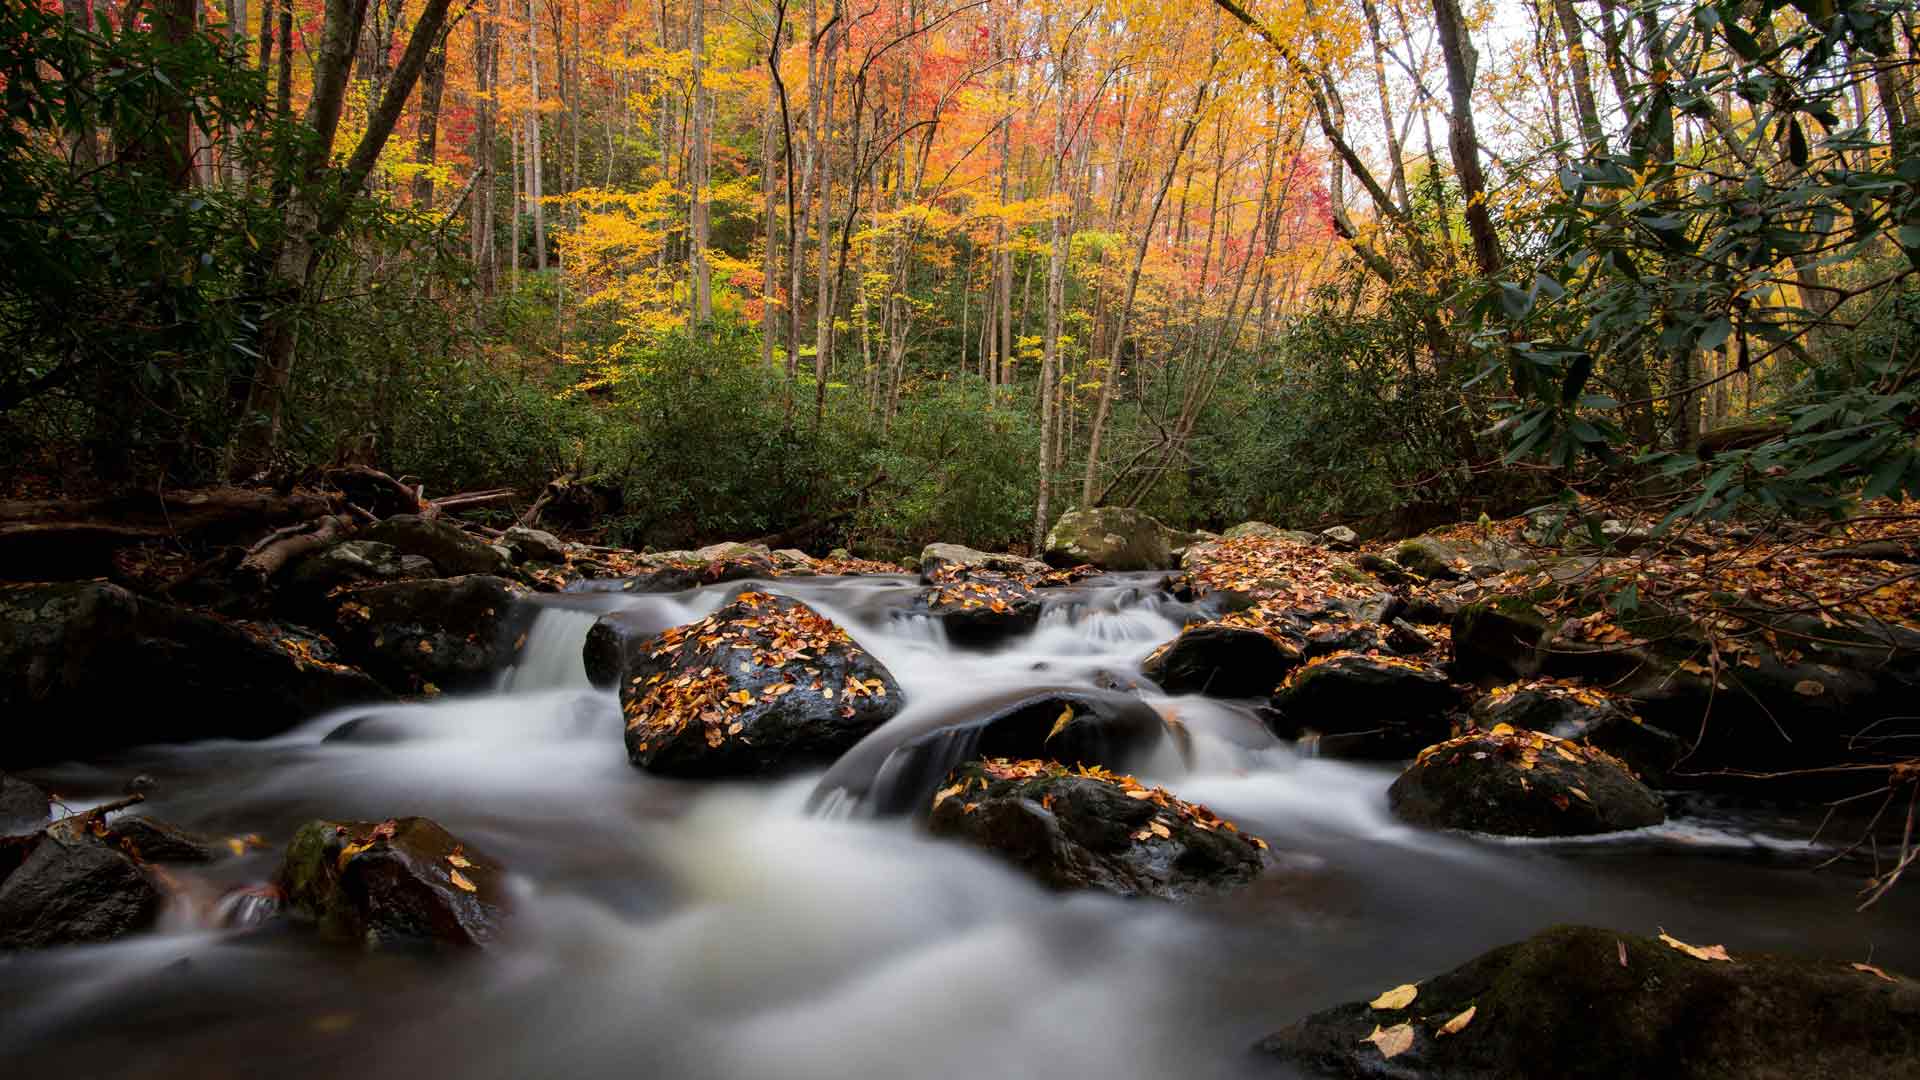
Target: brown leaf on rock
x=1392 y=1041
x=1459 y=1023
x=1397 y=998
x=1710 y=952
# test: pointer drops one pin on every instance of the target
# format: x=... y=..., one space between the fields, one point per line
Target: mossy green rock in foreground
x=404 y=882
x=1576 y=1002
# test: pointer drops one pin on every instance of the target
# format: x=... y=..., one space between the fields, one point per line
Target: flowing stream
x=781 y=929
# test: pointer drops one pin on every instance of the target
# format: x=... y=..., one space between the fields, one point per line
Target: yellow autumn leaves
x=1398 y=1039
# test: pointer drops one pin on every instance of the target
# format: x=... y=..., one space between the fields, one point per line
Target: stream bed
x=779 y=929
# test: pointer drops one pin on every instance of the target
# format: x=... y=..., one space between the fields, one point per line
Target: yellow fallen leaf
x=459 y=858
x=1159 y=830
x=947 y=793
x=1392 y=1041
x=1397 y=998
x=1578 y=794
x=1502 y=729
x=347 y=853
x=1711 y=952
x=1871 y=970
x=460 y=880
x=1459 y=1023
x=1066 y=717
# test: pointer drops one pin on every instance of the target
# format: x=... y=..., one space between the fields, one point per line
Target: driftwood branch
x=272 y=554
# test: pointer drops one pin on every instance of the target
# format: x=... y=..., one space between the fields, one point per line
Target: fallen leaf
x=458 y=858
x=1871 y=970
x=1066 y=717
x=460 y=880
x=1159 y=830
x=947 y=793
x=1622 y=946
x=1710 y=952
x=1397 y=998
x=1459 y=1023
x=1809 y=688
x=1392 y=1041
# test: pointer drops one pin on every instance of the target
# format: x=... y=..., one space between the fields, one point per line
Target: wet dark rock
x=1522 y=783
x=453 y=551
x=353 y=562
x=765 y=684
x=1223 y=660
x=1584 y=715
x=1406 y=639
x=23 y=806
x=1498 y=639
x=935 y=556
x=87 y=667
x=74 y=888
x=444 y=634
x=733 y=562
x=152 y=841
x=1074 y=831
x=1109 y=537
x=533 y=545
x=978 y=608
x=1564 y=1004
x=1108 y=729
x=401 y=883
x=1363 y=706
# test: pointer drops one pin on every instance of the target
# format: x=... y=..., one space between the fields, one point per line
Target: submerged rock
x=88 y=667
x=1109 y=537
x=765 y=684
x=1582 y=1003
x=453 y=551
x=443 y=634
x=1522 y=783
x=75 y=887
x=397 y=883
x=1092 y=829
x=1365 y=706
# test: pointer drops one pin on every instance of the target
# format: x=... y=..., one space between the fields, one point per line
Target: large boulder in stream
x=428 y=636
x=1583 y=714
x=1509 y=782
x=764 y=685
x=1222 y=659
x=1365 y=705
x=404 y=882
x=88 y=667
x=75 y=886
x=934 y=557
x=1109 y=537
x=449 y=548
x=1581 y=1003
x=1087 y=828
x=977 y=607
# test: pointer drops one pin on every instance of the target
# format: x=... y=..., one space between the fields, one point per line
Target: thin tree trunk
x=697 y=182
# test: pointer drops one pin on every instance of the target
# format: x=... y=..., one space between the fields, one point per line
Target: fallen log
x=62 y=539
x=471 y=498
x=371 y=488
x=277 y=549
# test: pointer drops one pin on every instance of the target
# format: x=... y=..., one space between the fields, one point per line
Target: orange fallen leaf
x=1066 y=717
x=1710 y=952
x=459 y=858
x=1459 y=1023
x=1871 y=970
x=947 y=793
x=460 y=880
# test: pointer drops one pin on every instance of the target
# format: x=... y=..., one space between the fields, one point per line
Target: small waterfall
x=550 y=658
x=247 y=907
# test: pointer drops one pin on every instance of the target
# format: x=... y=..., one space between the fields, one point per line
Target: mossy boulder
x=1359 y=705
x=403 y=883
x=764 y=685
x=451 y=550
x=1109 y=537
x=1583 y=714
x=1498 y=639
x=428 y=636
x=1090 y=829
x=74 y=887
x=1582 y=1003
x=1510 y=782
x=1435 y=560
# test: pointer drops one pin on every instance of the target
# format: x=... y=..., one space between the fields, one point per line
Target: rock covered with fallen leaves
x=403 y=882
x=976 y=606
x=1583 y=714
x=1582 y=1003
x=1088 y=827
x=1511 y=782
x=1365 y=705
x=434 y=635
x=95 y=651
x=77 y=884
x=766 y=684
x=935 y=557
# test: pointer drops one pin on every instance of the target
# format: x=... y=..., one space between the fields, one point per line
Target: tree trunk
x=426 y=138
x=534 y=160
x=1462 y=140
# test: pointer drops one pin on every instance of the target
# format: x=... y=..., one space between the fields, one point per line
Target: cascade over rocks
x=95 y=652
x=1365 y=706
x=1522 y=783
x=76 y=887
x=451 y=550
x=1583 y=1003
x=1091 y=829
x=1094 y=728
x=1109 y=537
x=765 y=684
x=439 y=634
x=405 y=882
